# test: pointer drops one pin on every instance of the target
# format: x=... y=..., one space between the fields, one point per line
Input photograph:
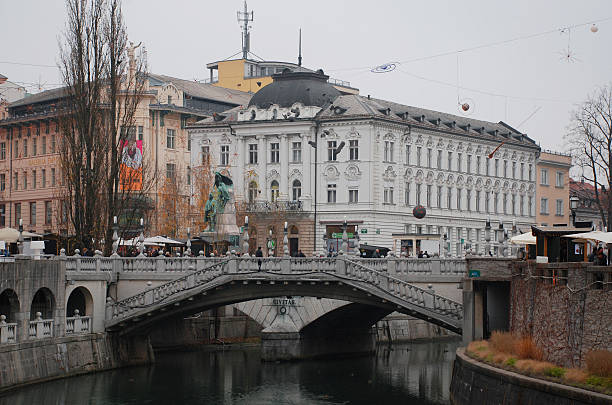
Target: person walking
x=259 y=253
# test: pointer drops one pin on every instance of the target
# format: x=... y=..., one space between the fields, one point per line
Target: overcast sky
x=505 y=82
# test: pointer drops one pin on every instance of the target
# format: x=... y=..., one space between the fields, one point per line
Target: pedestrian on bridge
x=259 y=253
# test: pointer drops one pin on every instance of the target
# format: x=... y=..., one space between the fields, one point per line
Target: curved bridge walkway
x=239 y=279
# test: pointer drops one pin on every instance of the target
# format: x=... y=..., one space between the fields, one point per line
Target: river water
x=412 y=373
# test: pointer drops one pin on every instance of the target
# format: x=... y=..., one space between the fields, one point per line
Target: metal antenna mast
x=244 y=17
x=300 y=51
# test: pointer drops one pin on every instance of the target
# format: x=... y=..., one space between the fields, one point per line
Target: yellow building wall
x=231 y=76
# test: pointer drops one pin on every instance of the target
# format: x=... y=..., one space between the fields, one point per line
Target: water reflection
x=417 y=373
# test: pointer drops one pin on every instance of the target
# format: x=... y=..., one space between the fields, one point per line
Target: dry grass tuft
x=599 y=363
x=504 y=342
x=526 y=348
x=501 y=357
x=576 y=375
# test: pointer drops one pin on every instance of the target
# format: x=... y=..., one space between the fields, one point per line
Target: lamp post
x=115 y=237
x=356 y=250
x=20 y=236
x=270 y=244
x=574 y=206
x=141 y=239
x=488 y=236
x=513 y=248
x=245 y=236
x=344 y=246
x=188 y=244
x=285 y=241
x=500 y=239
x=445 y=245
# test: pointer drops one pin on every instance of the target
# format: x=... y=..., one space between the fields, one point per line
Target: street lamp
x=488 y=236
x=20 y=236
x=188 y=243
x=344 y=236
x=245 y=236
x=141 y=239
x=574 y=206
x=115 y=237
x=445 y=245
x=285 y=241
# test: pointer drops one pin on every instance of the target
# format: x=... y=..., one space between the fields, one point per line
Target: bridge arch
x=43 y=302
x=80 y=298
x=9 y=304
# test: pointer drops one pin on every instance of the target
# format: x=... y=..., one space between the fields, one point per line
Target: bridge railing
x=78 y=324
x=8 y=331
x=40 y=328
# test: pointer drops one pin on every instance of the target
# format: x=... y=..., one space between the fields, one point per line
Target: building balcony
x=273 y=206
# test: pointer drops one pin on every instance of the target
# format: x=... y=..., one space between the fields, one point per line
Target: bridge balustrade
x=8 y=331
x=40 y=328
x=78 y=324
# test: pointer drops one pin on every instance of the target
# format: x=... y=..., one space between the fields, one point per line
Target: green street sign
x=338 y=235
x=364 y=230
x=462 y=241
x=474 y=273
x=378 y=231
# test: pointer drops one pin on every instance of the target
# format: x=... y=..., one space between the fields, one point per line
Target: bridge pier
x=132 y=350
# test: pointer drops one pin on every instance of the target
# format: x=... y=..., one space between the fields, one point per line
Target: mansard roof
x=205 y=90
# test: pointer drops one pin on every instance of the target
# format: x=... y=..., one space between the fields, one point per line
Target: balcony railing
x=78 y=324
x=273 y=206
x=8 y=331
x=40 y=328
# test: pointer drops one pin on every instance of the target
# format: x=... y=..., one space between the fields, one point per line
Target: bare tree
x=105 y=84
x=591 y=140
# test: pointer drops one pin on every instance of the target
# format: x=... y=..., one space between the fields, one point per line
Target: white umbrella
x=526 y=238
x=11 y=235
x=598 y=236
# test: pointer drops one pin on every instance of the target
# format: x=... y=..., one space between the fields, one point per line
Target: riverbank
x=477 y=382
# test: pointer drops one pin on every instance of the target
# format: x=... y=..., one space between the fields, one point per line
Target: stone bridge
x=132 y=296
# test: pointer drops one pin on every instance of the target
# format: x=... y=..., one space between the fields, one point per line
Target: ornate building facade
x=370 y=162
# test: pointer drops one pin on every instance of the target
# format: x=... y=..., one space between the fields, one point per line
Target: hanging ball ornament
x=419 y=212
x=465 y=106
x=594 y=28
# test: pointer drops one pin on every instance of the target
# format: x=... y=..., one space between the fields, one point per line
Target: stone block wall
x=565 y=320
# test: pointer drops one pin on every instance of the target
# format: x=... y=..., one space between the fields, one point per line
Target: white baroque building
x=284 y=146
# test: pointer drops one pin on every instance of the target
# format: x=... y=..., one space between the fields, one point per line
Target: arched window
x=274 y=191
x=252 y=191
x=296 y=190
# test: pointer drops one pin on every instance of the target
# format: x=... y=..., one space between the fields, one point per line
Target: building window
x=429 y=163
x=450 y=161
x=252 y=191
x=496 y=167
x=439 y=197
x=224 y=155
x=418 y=156
x=2 y=215
x=170 y=171
x=296 y=149
x=2 y=182
x=170 y=139
x=439 y=160
x=188 y=175
x=331 y=150
x=468 y=199
x=25 y=180
x=559 y=208
x=47 y=125
x=514 y=170
x=459 y=161
x=331 y=193
x=544 y=177
x=388 y=195
x=53 y=177
x=407 y=194
x=487 y=170
x=253 y=153
x=32 y=213
x=34 y=146
x=17 y=213
x=2 y=150
x=33 y=178
x=16 y=185
x=530 y=172
x=161 y=119
x=529 y=208
x=459 y=192
x=505 y=195
x=25 y=148
x=418 y=194
x=274 y=152
x=354 y=149
x=522 y=174
x=449 y=196
x=388 y=151
x=522 y=205
x=48 y=212
x=140 y=132
x=407 y=154
x=544 y=206
x=487 y=201
x=505 y=169
x=53 y=144
x=478 y=160
x=496 y=203
x=514 y=204
x=44 y=178
x=559 y=182
x=428 y=196
x=353 y=196
x=296 y=190
x=274 y=192
x=205 y=155
x=477 y=200
x=43 y=145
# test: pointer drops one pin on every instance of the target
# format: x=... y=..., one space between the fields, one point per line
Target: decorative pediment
x=505 y=155
x=251 y=174
x=352 y=172
x=531 y=188
x=450 y=179
x=496 y=185
x=273 y=175
x=460 y=181
x=459 y=146
x=522 y=158
x=479 y=150
x=353 y=133
x=440 y=144
x=522 y=189
x=440 y=178
x=469 y=148
x=479 y=184
x=419 y=140
x=514 y=187
x=430 y=178
x=389 y=137
x=430 y=142
x=408 y=174
x=389 y=174
x=450 y=145
x=419 y=176
x=406 y=137
x=205 y=142
x=331 y=173
x=488 y=184
x=330 y=133
x=506 y=185
x=513 y=155
x=295 y=174
x=469 y=183
x=225 y=139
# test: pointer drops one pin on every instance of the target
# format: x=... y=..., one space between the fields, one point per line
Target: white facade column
x=284 y=173
x=239 y=176
x=307 y=188
x=263 y=164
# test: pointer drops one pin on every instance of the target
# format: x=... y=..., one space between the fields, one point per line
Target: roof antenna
x=244 y=18
x=300 y=52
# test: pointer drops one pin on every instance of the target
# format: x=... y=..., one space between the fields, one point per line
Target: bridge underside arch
x=9 y=305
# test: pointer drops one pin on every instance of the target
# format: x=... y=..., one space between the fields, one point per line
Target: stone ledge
x=29 y=344
x=521 y=381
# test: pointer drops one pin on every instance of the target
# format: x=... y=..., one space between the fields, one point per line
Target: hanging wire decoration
x=385 y=68
x=568 y=55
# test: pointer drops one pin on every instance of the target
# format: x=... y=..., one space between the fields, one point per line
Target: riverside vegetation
x=520 y=354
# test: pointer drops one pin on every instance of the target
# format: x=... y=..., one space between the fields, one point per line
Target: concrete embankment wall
x=474 y=382
x=46 y=359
